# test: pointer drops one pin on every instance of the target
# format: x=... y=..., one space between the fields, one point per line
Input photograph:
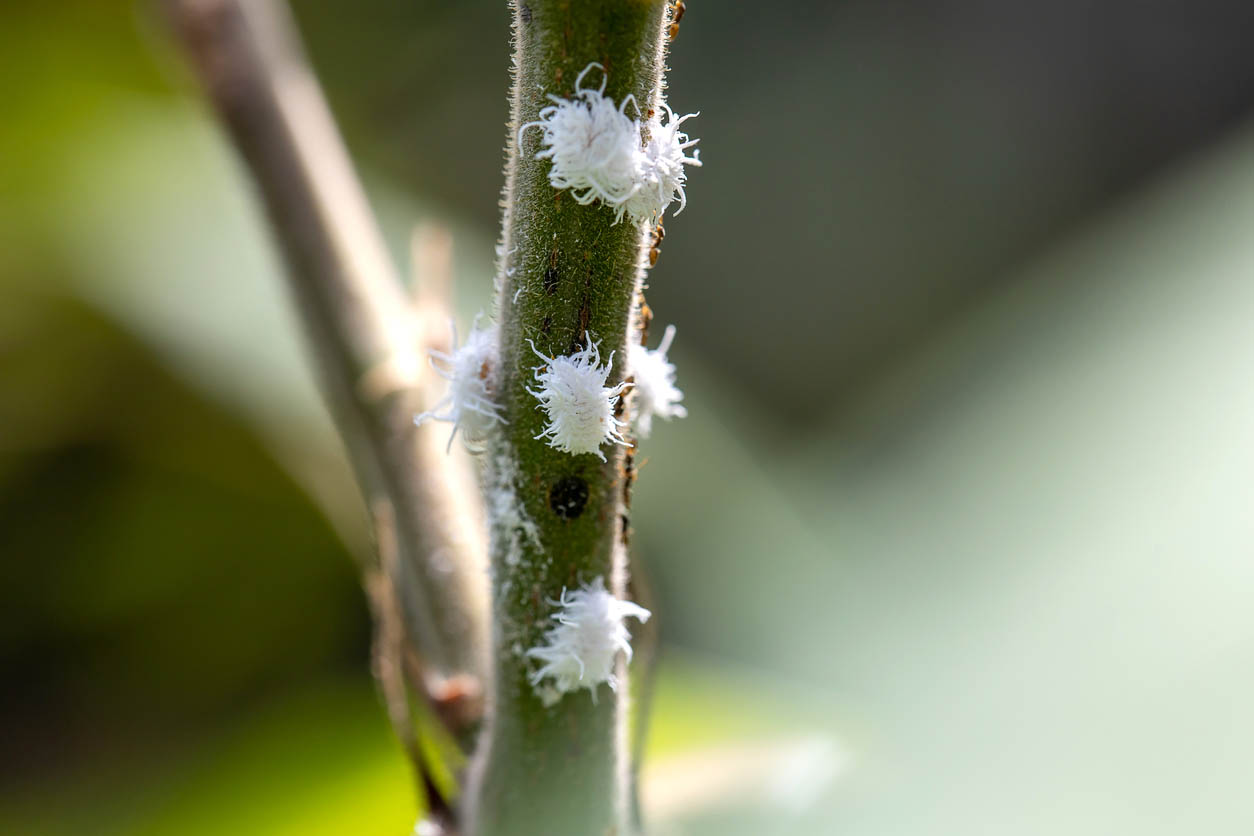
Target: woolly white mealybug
x=660 y=167
x=598 y=152
x=581 y=649
x=655 y=393
x=593 y=145
x=469 y=404
x=579 y=405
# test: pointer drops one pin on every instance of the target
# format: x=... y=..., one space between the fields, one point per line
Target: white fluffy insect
x=598 y=152
x=594 y=145
x=469 y=404
x=655 y=393
x=579 y=405
x=580 y=650
x=660 y=167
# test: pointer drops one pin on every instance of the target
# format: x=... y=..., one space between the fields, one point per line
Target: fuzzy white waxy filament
x=599 y=152
x=592 y=144
x=655 y=393
x=579 y=405
x=660 y=169
x=469 y=404
x=580 y=650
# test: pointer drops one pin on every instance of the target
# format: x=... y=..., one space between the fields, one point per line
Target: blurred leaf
x=68 y=63
x=164 y=563
x=321 y=762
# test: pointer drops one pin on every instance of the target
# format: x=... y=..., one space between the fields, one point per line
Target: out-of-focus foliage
x=318 y=762
x=1024 y=563
x=151 y=542
x=1003 y=578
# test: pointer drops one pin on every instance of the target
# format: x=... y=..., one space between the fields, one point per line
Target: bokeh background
x=961 y=521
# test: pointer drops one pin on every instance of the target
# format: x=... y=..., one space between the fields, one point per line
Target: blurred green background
x=958 y=537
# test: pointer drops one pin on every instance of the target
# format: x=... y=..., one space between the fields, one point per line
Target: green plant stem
x=569 y=275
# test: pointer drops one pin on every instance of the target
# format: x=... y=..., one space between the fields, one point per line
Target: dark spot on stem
x=568 y=497
x=525 y=12
x=551 y=275
x=580 y=340
x=585 y=315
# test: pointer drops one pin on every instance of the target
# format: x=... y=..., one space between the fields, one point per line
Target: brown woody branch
x=358 y=322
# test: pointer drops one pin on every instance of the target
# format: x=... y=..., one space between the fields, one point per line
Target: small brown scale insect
x=677 y=14
x=659 y=232
x=646 y=319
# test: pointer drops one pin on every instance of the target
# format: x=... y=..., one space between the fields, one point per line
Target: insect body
x=659 y=232
x=677 y=14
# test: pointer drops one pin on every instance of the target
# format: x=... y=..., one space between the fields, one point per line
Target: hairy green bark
x=569 y=275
